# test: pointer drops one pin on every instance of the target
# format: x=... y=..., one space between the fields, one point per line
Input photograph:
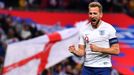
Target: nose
x=91 y=15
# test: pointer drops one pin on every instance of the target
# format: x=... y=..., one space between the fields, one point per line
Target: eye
x=90 y=13
x=95 y=13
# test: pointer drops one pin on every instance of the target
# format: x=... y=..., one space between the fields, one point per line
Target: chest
x=96 y=36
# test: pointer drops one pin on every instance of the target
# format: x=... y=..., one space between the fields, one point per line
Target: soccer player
x=98 y=41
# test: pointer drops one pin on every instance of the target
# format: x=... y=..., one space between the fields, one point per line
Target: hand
x=95 y=48
x=72 y=48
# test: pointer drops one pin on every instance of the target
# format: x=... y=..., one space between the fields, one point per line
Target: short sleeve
x=113 y=38
x=81 y=39
x=112 y=33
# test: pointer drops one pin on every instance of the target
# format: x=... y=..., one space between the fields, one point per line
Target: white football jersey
x=99 y=37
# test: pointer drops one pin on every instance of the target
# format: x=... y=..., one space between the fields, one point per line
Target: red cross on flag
x=31 y=57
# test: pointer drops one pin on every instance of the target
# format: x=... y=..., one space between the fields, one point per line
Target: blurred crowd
x=70 y=66
x=126 y=6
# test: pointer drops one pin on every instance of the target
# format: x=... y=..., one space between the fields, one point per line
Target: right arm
x=81 y=47
x=80 y=52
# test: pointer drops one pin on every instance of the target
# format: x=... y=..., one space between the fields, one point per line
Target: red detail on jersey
x=86 y=39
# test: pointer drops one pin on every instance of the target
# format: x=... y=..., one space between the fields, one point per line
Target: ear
x=101 y=15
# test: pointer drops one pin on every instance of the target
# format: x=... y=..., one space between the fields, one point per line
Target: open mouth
x=93 y=20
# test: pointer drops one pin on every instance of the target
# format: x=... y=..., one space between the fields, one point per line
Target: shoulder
x=108 y=26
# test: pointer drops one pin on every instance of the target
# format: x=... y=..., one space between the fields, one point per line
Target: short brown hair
x=95 y=4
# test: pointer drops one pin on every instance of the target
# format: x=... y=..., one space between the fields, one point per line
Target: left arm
x=113 y=43
x=114 y=49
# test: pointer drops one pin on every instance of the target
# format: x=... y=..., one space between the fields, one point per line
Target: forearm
x=113 y=51
x=79 y=53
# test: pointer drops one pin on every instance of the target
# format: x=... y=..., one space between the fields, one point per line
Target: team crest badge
x=101 y=32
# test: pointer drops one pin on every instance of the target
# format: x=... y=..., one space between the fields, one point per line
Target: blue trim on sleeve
x=113 y=41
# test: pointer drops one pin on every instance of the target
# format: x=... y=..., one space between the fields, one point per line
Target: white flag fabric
x=31 y=57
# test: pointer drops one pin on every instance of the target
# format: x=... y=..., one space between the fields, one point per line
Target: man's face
x=94 y=15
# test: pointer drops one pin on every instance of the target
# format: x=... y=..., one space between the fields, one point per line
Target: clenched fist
x=72 y=48
x=95 y=48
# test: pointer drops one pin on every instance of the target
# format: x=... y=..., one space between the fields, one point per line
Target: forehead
x=94 y=9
